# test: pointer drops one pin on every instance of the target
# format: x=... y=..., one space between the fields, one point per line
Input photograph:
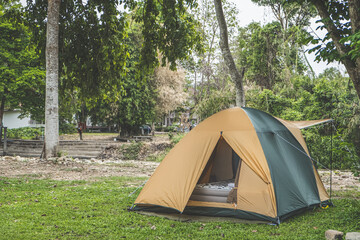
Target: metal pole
x=331 y=156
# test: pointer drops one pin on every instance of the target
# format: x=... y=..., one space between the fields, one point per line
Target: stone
x=334 y=235
x=8 y=158
x=352 y=236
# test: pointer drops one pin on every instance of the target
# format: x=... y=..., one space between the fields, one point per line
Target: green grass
x=158 y=157
x=350 y=193
x=48 y=209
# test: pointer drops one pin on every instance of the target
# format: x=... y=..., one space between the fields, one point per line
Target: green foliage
x=217 y=101
x=329 y=96
x=103 y=71
x=91 y=50
x=158 y=157
x=343 y=153
x=25 y=133
x=22 y=80
x=67 y=128
x=135 y=106
x=170 y=129
x=171 y=135
x=354 y=40
x=131 y=151
x=268 y=101
x=258 y=52
x=176 y=138
x=169 y=29
x=43 y=209
x=273 y=52
x=339 y=17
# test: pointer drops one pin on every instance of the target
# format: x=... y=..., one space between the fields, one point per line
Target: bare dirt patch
x=73 y=169
x=76 y=169
x=341 y=180
x=89 y=136
x=111 y=163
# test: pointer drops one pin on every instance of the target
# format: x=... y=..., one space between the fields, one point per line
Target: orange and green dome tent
x=266 y=158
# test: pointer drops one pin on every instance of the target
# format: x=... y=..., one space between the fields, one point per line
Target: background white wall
x=11 y=120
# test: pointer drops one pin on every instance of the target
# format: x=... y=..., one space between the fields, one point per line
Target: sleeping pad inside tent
x=240 y=162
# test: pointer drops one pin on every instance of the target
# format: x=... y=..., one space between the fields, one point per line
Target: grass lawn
x=48 y=209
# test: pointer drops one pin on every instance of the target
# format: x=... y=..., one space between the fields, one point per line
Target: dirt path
x=76 y=169
x=70 y=169
x=341 y=180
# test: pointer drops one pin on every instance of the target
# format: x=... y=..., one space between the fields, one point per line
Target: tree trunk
x=52 y=75
x=354 y=13
x=2 y=108
x=352 y=66
x=236 y=76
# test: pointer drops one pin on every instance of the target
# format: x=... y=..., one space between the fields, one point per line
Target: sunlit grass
x=49 y=209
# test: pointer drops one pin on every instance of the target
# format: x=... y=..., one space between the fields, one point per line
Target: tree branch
x=330 y=26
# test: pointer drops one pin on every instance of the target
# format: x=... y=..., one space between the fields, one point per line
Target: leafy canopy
x=22 y=80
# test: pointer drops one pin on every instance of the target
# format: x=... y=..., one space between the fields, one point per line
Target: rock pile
x=337 y=235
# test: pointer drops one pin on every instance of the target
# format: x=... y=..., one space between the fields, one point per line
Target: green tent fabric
x=291 y=171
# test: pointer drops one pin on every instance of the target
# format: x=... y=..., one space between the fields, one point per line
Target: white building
x=11 y=120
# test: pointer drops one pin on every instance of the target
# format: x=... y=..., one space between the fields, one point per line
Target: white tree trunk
x=52 y=71
x=236 y=76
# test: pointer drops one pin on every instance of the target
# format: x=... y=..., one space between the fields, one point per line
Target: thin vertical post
x=331 y=156
x=5 y=141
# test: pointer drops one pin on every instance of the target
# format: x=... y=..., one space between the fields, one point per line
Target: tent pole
x=331 y=156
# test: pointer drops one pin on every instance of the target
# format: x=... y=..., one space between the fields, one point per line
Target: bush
x=25 y=133
x=170 y=129
x=131 y=151
x=158 y=128
x=343 y=153
x=217 y=101
x=176 y=138
x=67 y=128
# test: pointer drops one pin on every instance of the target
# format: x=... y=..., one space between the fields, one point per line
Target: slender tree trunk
x=52 y=75
x=236 y=76
x=308 y=64
x=195 y=93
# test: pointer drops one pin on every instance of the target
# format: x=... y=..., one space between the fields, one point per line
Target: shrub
x=67 y=128
x=158 y=128
x=343 y=153
x=170 y=128
x=176 y=138
x=25 y=133
x=131 y=151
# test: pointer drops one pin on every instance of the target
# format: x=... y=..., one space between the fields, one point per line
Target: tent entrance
x=219 y=179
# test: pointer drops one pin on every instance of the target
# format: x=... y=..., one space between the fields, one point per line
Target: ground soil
x=77 y=169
